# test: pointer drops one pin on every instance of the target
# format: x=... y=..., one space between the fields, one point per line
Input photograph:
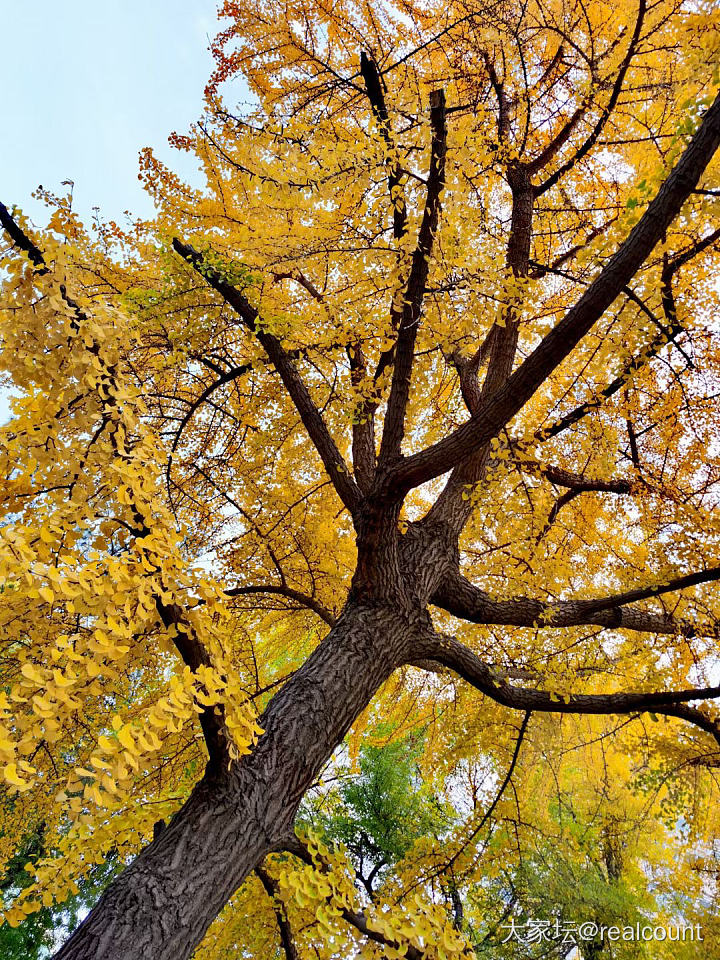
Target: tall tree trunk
x=160 y=907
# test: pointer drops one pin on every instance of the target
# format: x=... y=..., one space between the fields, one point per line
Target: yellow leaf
x=28 y=670
x=11 y=775
x=126 y=739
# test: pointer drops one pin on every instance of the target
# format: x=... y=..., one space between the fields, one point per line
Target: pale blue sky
x=85 y=84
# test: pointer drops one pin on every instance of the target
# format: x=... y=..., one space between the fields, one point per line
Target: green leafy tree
x=378 y=812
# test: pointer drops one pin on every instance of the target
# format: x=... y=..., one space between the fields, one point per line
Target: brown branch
x=286 y=935
x=303 y=281
x=459 y=658
x=284 y=591
x=667 y=334
x=363 y=428
x=498 y=796
x=632 y=440
x=644 y=593
x=313 y=422
x=468 y=602
x=195 y=655
x=562 y=501
x=453 y=506
x=35 y=255
x=373 y=86
x=503 y=121
x=607 y=110
x=564 y=337
x=560 y=138
x=575 y=481
x=407 y=317
x=587 y=406
x=232 y=374
x=185 y=639
x=680 y=259
x=357 y=919
x=542 y=269
x=21 y=240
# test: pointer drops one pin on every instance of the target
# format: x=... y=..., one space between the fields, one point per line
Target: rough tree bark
x=161 y=906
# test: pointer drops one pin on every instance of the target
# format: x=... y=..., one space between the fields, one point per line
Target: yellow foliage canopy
x=436 y=338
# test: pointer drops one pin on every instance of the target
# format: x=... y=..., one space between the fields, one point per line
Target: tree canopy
x=360 y=551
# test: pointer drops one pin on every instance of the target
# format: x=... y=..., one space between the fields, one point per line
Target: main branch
x=461 y=660
x=577 y=322
x=464 y=600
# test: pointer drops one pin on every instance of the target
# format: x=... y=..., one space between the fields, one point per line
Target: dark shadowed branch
x=666 y=334
x=313 y=422
x=283 y=924
x=463 y=661
x=406 y=317
x=21 y=240
x=373 y=86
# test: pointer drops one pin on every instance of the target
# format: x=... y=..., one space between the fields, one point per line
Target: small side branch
x=407 y=316
x=373 y=86
x=576 y=481
x=195 y=655
x=667 y=334
x=21 y=240
x=289 y=593
x=284 y=928
x=363 y=429
x=503 y=787
x=185 y=639
x=355 y=918
x=332 y=459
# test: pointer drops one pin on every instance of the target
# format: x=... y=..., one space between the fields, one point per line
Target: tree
x=379 y=814
x=595 y=852
x=408 y=413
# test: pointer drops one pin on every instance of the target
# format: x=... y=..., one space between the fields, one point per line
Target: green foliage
x=40 y=932
x=379 y=813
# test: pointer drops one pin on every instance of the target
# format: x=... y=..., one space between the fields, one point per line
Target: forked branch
x=577 y=322
x=590 y=142
x=458 y=596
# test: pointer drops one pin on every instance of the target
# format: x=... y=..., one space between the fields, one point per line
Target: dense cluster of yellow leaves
x=92 y=698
